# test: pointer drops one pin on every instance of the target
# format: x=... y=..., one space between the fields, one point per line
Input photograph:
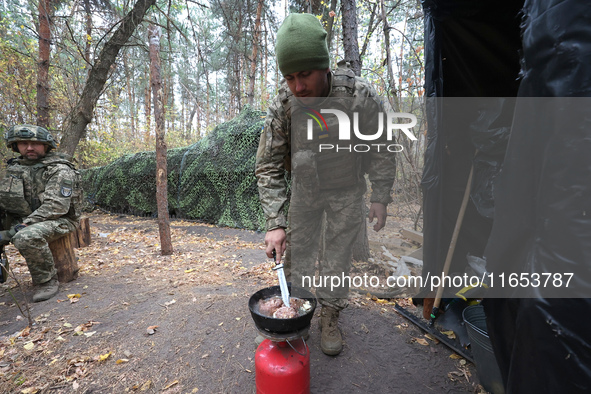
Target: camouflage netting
x=212 y=180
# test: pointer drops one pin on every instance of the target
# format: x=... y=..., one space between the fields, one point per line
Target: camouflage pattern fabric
x=343 y=206
x=212 y=180
x=45 y=195
x=50 y=188
x=33 y=244
x=274 y=152
x=344 y=214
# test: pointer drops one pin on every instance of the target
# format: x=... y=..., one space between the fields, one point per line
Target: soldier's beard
x=34 y=155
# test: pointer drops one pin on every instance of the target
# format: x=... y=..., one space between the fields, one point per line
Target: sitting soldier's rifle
x=3 y=259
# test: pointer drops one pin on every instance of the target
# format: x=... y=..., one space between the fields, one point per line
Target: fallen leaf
x=189 y=270
x=431 y=337
x=170 y=302
x=29 y=346
x=70 y=296
x=121 y=361
x=103 y=357
x=25 y=332
x=171 y=384
x=450 y=334
x=421 y=341
x=205 y=355
x=455 y=356
x=146 y=385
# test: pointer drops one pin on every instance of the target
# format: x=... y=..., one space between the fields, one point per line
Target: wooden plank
x=417 y=254
x=64 y=259
x=412 y=235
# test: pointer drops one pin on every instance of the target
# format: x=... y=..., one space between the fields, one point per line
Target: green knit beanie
x=301 y=44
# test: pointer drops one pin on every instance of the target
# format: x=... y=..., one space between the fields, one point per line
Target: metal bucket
x=482 y=351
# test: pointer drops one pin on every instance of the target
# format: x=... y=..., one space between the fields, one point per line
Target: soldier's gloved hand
x=19 y=227
x=6 y=236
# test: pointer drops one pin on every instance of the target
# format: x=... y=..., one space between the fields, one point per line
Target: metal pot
x=273 y=325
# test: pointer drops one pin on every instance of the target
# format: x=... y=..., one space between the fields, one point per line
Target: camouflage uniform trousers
x=344 y=215
x=33 y=244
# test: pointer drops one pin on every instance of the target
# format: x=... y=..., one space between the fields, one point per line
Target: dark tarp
x=542 y=196
x=541 y=222
x=471 y=50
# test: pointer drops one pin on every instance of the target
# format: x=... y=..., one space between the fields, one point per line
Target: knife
x=282 y=281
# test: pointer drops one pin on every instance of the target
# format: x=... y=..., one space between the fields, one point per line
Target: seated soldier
x=40 y=201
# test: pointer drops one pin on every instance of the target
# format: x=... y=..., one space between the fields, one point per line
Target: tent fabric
x=544 y=191
x=471 y=50
x=541 y=197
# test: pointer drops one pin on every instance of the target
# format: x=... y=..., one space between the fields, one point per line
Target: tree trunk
x=161 y=170
x=81 y=116
x=391 y=85
x=329 y=29
x=130 y=96
x=64 y=259
x=350 y=43
x=371 y=26
x=253 y=58
x=316 y=7
x=148 y=112
x=88 y=41
x=45 y=22
x=351 y=46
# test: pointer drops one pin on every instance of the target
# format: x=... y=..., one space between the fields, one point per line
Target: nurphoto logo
x=349 y=131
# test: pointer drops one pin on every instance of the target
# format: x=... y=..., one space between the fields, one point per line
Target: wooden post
x=64 y=259
x=83 y=233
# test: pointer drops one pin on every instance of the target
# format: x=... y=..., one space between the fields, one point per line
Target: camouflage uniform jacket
x=274 y=151
x=34 y=191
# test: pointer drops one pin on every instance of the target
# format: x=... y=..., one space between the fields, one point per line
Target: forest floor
x=136 y=321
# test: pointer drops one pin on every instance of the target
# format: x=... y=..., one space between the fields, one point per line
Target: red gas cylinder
x=282 y=367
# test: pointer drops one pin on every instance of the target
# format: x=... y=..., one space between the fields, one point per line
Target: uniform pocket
x=12 y=196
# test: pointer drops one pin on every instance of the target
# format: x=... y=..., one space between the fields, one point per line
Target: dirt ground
x=136 y=321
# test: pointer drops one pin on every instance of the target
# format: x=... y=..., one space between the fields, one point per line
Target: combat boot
x=331 y=341
x=46 y=290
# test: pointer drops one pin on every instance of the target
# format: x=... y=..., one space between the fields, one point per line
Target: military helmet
x=27 y=132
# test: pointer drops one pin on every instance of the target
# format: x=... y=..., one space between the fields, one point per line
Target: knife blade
x=282 y=281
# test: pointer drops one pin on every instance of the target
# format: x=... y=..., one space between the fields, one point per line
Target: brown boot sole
x=331 y=352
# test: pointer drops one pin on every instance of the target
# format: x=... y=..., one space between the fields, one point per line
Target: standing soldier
x=330 y=186
x=40 y=200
